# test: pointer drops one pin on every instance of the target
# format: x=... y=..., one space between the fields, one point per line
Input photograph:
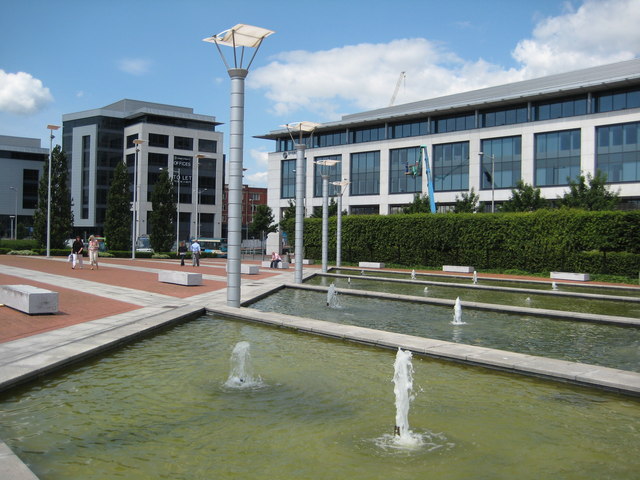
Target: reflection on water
x=607 y=345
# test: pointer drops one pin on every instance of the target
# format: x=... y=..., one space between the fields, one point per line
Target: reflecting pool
x=160 y=409
x=606 y=345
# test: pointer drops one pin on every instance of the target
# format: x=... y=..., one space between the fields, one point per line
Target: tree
x=162 y=218
x=263 y=222
x=332 y=210
x=590 y=193
x=468 y=203
x=524 y=198
x=118 y=217
x=420 y=204
x=61 y=205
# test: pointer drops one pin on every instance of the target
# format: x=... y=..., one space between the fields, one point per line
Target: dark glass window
x=207 y=180
x=288 y=178
x=157 y=162
x=183 y=143
x=370 y=134
x=131 y=138
x=618 y=152
x=334 y=172
x=330 y=139
x=405 y=170
x=503 y=156
x=365 y=173
x=560 y=108
x=364 y=209
x=557 y=157
x=617 y=100
x=454 y=123
x=30 y=180
x=504 y=116
x=84 y=179
x=451 y=166
x=408 y=129
x=158 y=140
x=182 y=175
x=205 y=145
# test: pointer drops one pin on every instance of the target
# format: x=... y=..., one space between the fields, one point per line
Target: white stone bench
x=29 y=299
x=577 y=277
x=371 y=265
x=305 y=261
x=180 y=278
x=267 y=264
x=246 y=269
x=457 y=269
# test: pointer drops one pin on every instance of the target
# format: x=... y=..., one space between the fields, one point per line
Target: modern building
x=541 y=131
x=173 y=138
x=21 y=163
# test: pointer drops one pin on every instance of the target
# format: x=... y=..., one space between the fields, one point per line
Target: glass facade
x=565 y=107
x=557 y=157
x=334 y=172
x=451 y=167
x=288 y=178
x=155 y=140
x=205 y=145
x=30 y=179
x=504 y=116
x=454 y=123
x=183 y=143
x=207 y=180
x=370 y=134
x=157 y=162
x=408 y=129
x=84 y=178
x=617 y=100
x=618 y=152
x=365 y=173
x=506 y=156
x=405 y=170
x=182 y=175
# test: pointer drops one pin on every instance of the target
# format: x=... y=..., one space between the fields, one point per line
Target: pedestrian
x=275 y=260
x=195 y=253
x=76 y=251
x=94 y=246
x=182 y=252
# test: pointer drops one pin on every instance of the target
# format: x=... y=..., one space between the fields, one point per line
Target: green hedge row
x=541 y=241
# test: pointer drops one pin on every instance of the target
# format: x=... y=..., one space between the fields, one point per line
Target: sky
x=326 y=58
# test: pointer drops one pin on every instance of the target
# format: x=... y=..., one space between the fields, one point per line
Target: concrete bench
x=246 y=269
x=457 y=269
x=29 y=299
x=371 y=264
x=180 y=278
x=577 y=277
x=267 y=264
x=305 y=261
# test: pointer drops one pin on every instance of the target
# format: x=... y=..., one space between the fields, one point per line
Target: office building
x=173 y=138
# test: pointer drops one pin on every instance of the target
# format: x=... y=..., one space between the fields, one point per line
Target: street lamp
x=241 y=36
x=51 y=128
x=493 y=159
x=300 y=128
x=136 y=212
x=343 y=186
x=325 y=164
x=14 y=233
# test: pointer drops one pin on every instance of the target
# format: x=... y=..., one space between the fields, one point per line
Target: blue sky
x=326 y=59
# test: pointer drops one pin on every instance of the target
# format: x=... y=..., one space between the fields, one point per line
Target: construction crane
x=402 y=76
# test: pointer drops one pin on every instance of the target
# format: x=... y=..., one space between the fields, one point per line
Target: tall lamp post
x=136 y=212
x=300 y=128
x=493 y=159
x=241 y=36
x=343 y=186
x=325 y=164
x=51 y=128
x=14 y=230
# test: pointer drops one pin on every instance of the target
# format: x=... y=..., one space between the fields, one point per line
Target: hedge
x=541 y=241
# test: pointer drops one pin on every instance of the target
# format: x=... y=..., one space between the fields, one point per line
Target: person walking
x=76 y=251
x=94 y=247
x=195 y=253
x=182 y=252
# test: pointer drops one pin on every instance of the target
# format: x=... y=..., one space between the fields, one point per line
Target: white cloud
x=21 y=93
x=363 y=77
x=598 y=32
x=257 y=179
x=261 y=157
x=134 y=66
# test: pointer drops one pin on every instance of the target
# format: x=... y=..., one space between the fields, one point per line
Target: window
x=617 y=100
x=84 y=179
x=451 y=166
x=557 y=157
x=157 y=161
x=408 y=129
x=157 y=140
x=30 y=180
x=504 y=116
x=364 y=210
x=334 y=172
x=182 y=176
x=454 y=123
x=183 y=143
x=131 y=138
x=618 y=152
x=207 y=181
x=405 y=170
x=288 y=178
x=370 y=134
x=329 y=139
x=365 y=173
x=502 y=156
x=205 y=145
x=560 y=108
